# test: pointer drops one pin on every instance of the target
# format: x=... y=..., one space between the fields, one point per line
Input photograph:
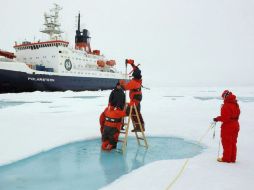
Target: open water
x=82 y=165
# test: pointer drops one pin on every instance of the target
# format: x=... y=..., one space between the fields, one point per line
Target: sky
x=177 y=42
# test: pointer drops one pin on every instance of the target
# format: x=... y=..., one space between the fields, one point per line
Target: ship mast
x=52 y=25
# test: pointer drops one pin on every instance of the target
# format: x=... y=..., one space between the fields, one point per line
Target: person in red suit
x=112 y=126
x=230 y=127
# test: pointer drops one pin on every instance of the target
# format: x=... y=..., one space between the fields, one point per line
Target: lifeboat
x=96 y=52
x=7 y=54
x=30 y=66
x=111 y=62
x=101 y=63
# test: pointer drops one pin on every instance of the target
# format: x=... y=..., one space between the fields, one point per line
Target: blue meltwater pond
x=82 y=165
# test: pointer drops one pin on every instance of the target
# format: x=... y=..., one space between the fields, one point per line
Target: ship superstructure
x=59 y=62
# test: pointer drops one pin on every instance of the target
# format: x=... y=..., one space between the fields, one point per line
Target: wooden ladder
x=136 y=125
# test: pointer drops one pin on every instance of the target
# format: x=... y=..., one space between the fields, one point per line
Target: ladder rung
x=136 y=130
x=119 y=150
x=138 y=124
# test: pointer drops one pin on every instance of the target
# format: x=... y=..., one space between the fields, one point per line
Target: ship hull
x=16 y=81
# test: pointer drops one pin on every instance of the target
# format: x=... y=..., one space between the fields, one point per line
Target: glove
x=122 y=82
x=129 y=61
x=215 y=119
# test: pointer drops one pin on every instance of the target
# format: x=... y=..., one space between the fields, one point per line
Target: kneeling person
x=112 y=126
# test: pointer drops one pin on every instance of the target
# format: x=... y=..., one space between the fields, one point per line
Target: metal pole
x=219 y=149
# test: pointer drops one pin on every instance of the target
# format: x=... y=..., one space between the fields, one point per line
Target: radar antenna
x=52 y=25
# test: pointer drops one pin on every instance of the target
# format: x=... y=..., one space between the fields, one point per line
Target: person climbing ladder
x=135 y=94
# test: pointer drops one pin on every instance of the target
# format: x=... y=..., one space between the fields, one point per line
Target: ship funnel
x=82 y=38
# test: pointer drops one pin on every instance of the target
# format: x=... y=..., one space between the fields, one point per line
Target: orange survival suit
x=135 y=94
x=134 y=86
x=112 y=126
x=116 y=99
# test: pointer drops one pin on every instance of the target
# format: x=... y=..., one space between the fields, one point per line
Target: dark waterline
x=84 y=97
x=240 y=99
x=6 y=103
x=83 y=165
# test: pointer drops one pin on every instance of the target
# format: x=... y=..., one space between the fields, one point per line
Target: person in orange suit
x=230 y=127
x=112 y=127
x=134 y=85
x=135 y=94
x=117 y=98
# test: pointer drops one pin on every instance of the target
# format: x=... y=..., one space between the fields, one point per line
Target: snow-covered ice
x=38 y=121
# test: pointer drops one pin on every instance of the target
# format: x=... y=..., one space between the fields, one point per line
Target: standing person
x=135 y=94
x=229 y=117
x=112 y=126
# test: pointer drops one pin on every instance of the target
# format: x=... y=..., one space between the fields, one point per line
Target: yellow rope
x=210 y=127
x=179 y=174
x=187 y=161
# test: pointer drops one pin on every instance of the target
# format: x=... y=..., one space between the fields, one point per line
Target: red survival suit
x=230 y=113
x=112 y=126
